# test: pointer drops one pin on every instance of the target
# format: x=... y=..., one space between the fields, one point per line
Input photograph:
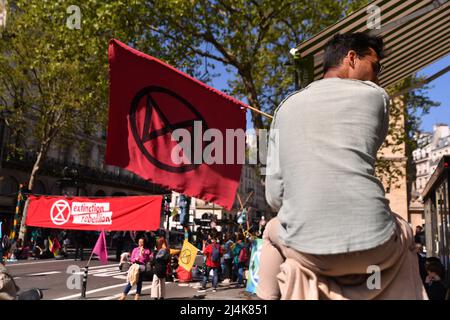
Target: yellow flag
x=187 y=256
x=50 y=244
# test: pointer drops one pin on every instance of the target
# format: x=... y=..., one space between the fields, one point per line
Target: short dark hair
x=338 y=47
x=436 y=267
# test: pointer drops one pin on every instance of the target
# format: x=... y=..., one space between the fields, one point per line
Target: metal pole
x=85 y=276
x=168 y=216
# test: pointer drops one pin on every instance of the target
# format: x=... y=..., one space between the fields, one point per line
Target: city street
x=105 y=282
x=297 y=149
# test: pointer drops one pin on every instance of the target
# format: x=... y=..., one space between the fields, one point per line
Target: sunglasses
x=377 y=67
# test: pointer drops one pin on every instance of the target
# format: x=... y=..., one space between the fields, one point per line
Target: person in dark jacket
x=434 y=282
x=160 y=273
x=79 y=239
x=421 y=257
x=419 y=237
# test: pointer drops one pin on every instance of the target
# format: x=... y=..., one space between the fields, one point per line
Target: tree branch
x=195 y=50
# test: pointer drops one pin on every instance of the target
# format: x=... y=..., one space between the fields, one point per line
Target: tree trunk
x=252 y=97
x=34 y=171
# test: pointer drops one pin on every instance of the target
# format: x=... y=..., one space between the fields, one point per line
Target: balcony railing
x=54 y=167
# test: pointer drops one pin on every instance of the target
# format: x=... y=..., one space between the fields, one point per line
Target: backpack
x=243 y=255
x=215 y=255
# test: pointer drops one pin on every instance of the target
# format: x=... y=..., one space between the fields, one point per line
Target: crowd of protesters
x=46 y=244
x=227 y=257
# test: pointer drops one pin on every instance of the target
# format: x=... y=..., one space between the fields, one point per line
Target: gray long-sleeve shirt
x=325 y=139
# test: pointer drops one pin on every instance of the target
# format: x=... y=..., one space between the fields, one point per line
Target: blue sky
x=439 y=91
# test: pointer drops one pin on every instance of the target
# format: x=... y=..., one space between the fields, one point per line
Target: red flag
x=148 y=101
x=100 y=248
x=56 y=246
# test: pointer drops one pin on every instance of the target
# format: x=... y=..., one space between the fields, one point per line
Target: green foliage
x=57 y=78
x=252 y=38
x=405 y=122
x=54 y=79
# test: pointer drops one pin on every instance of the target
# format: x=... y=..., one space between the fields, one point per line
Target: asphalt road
x=105 y=282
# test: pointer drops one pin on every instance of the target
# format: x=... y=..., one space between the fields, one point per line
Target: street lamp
x=70 y=184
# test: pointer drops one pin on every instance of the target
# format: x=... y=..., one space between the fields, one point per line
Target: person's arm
x=204 y=245
x=133 y=255
x=274 y=179
x=146 y=256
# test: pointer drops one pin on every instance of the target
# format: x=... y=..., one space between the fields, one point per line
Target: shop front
x=437 y=219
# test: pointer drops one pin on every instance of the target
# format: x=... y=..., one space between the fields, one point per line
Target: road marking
x=102 y=271
x=14 y=264
x=183 y=284
x=104 y=266
x=116 y=296
x=40 y=262
x=107 y=288
x=43 y=273
x=91 y=291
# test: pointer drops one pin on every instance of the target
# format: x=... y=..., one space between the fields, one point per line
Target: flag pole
x=260 y=112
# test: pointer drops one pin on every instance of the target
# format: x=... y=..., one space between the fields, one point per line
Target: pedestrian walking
x=140 y=256
x=213 y=253
x=228 y=259
x=159 y=274
x=240 y=260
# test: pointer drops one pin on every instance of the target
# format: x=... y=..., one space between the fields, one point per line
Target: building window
x=39 y=187
x=8 y=185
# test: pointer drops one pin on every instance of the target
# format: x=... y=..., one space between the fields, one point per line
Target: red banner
x=137 y=213
x=149 y=100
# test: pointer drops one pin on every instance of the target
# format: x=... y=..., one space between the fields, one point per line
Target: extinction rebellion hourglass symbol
x=60 y=212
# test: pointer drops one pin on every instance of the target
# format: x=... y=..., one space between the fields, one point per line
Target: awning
x=416 y=33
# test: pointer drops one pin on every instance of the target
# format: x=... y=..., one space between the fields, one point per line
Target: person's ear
x=351 y=57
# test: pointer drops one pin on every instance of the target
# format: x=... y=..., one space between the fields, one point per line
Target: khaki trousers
x=389 y=271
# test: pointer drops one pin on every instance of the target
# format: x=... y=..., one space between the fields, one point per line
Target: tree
x=54 y=77
x=252 y=38
x=405 y=122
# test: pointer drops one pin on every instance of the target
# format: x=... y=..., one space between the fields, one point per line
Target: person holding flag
x=213 y=253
